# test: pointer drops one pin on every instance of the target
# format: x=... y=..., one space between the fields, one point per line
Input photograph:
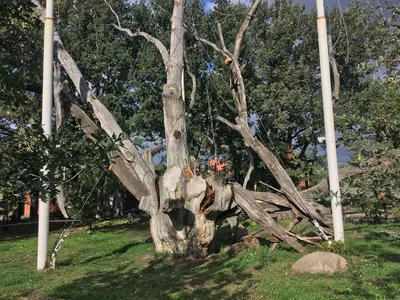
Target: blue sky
x=309 y=4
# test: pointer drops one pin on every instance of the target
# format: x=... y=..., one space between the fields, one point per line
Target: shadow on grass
x=380 y=246
x=162 y=278
x=131 y=271
x=223 y=238
x=386 y=287
x=141 y=226
x=379 y=249
x=119 y=251
x=25 y=229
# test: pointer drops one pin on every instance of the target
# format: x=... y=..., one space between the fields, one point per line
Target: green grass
x=118 y=263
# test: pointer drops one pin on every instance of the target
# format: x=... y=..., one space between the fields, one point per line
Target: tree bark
x=57 y=88
x=185 y=208
x=335 y=71
x=174 y=114
x=257 y=214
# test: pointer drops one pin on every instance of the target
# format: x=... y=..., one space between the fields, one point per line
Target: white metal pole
x=47 y=99
x=329 y=124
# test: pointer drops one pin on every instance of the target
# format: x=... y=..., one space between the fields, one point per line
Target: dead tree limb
x=251 y=167
x=287 y=187
x=212 y=45
x=335 y=71
x=131 y=165
x=194 y=82
x=57 y=88
x=138 y=165
x=120 y=167
x=256 y=213
x=222 y=40
x=289 y=228
x=160 y=46
x=156 y=149
x=323 y=186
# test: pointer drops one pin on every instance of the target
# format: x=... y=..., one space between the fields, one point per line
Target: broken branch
x=257 y=214
x=194 y=82
x=228 y=123
x=335 y=71
x=221 y=38
x=251 y=167
x=211 y=44
x=160 y=46
x=244 y=27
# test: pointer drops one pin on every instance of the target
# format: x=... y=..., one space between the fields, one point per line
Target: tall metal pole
x=329 y=124
x=47 y=99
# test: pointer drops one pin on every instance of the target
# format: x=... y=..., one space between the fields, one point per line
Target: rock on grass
x=320 y=263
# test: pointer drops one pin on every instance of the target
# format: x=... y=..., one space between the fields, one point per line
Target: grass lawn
x=118 y=263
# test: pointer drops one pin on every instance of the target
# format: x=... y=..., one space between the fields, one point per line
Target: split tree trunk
x=180 y=225
x=185 y=208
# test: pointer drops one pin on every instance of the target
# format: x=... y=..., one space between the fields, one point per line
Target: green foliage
x=337 y=247
x=377 y=193
x=281 y=71
x=370 y=126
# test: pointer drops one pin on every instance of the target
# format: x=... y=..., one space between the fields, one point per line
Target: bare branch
x=247 y=178
x=229 y=124
x=288 y=189
x=156 y=149
x=86 y=124
x=288 y=229
x=323 y=186
x=236 y=70
x=271 y=198
x=211 y=44
x=132 y=164
x=251 y=167
x=121 y=168
x=106 y=119
x=39 y=9
x=244 y=199
x=57 y=87
x=115 y=14
x=336 y=74
x=244 y=27
x=221 y=38
x=240 y=101
x=194 y=82
x=160 y=46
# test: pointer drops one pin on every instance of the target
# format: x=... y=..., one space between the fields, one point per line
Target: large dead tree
x=186 y=207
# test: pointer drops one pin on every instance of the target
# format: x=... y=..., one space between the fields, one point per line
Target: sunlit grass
x=118 y=263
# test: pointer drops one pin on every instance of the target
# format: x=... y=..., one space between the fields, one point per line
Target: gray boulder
x=320 y=263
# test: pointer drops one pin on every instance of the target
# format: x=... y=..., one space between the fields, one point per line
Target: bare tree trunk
x=180 y=226
x=185 y=208
x=174 y=114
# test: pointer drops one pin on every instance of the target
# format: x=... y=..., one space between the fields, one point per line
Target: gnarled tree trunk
x=185 y=208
